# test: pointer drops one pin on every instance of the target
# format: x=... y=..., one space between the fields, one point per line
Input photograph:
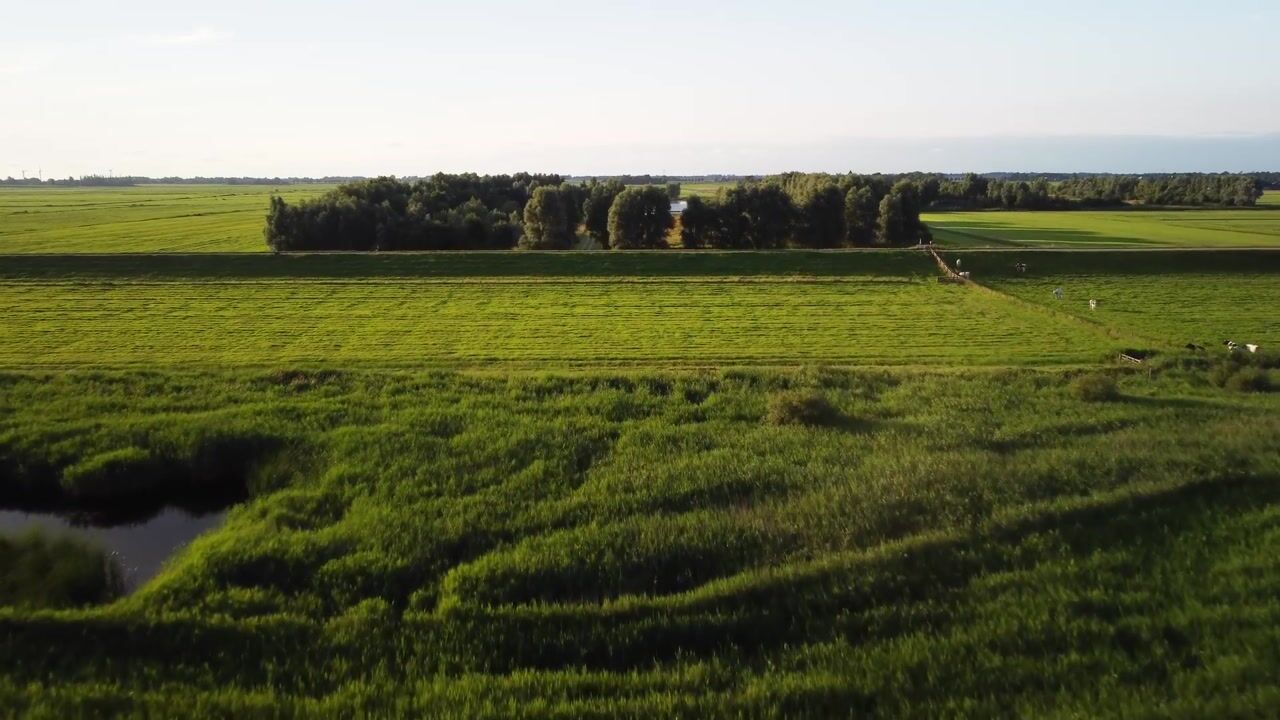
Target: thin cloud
x=198 y=36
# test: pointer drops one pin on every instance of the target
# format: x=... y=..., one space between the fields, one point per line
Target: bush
x=1095 y=388
x=811 y=409
x=1249 y=380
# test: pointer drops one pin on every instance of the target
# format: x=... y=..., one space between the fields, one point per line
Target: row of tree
x=806 y=210
x=541 y=212
x=132 y=180
x=978 y=191
x=443 y=212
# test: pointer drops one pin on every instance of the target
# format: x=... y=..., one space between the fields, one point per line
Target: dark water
x=140 y=544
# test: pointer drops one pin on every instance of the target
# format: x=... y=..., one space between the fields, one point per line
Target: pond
x=140 y=544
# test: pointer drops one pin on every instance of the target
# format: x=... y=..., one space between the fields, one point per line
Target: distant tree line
x=1084 y=191
x=542 y=212
x=133 y=180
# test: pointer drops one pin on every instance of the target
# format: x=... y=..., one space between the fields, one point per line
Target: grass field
x=595 y=545
x=150 y=218
x=1270 y=198
x=703 y=189
x=452 y=311
x=1258 y=227
x=1168 y=298
x=567 y=485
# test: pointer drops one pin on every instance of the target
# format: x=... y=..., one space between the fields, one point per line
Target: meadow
x=630 y=484
x=144 y=219
x=1216 y=228
x=638 y=544
x=1164 y=299
x=571 y=310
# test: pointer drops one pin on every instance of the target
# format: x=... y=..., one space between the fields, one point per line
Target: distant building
x=678 y=207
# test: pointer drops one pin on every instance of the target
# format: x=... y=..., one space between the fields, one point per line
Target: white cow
x=1057 y=293
x=1093 y=304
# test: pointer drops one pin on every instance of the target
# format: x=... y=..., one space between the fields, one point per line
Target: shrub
x=1249 y=380
x=1095 y=387
x=808 y=408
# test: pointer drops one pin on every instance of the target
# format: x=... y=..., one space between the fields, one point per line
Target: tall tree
x=821 y=219
x=546 y=224
x=595 y=209
x=639 y=219
x=758 y=217
x=861 y=208
x=700 y=224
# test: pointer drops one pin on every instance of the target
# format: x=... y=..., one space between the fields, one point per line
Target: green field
x=145 y=219
x=595 y=545
x=1258 y=227
x=1270 y=198
x=1168 y=299
x=703 y=189
x=464 y=311
x=643 y=484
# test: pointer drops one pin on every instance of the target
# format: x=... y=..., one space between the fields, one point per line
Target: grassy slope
x=469 y=311
x=1259 y=227
x=1166 y=298
x=642 y=544
x=152 y=218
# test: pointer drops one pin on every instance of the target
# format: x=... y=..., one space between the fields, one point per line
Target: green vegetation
x=427 y=311
x=1165 y=299
x=147 y=219
x=642 y=484
x=1259 y=227
x=796 y=407
x=1095 y=387
x=601 y=544
x=540 y=212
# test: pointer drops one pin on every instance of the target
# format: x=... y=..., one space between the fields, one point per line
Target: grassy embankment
x=1167 y=298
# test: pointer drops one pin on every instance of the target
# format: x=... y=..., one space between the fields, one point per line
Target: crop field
x=1270 y=198
x=144 y=219
x=892 y=312
x=1245 y=227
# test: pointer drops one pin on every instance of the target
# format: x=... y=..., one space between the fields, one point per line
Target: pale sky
x=597 y=87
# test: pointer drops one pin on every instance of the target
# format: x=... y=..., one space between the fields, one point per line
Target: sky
x=293 y=88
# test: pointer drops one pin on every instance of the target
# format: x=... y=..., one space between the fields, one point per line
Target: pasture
x=554 y=485
x=1167 y=299
x=1084 y=229
x=144 y=219
x=568 y=310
